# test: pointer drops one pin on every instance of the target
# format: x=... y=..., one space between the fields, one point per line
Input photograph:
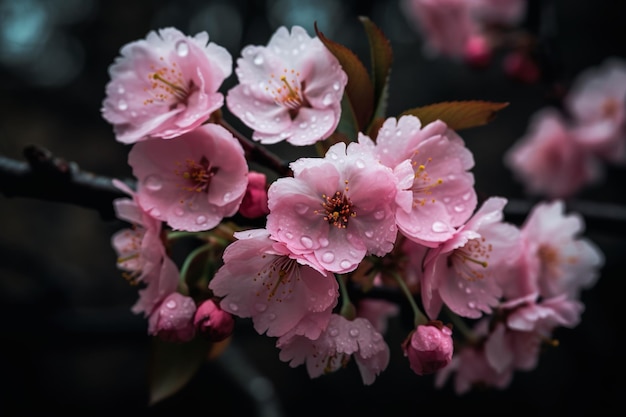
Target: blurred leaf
x=173 y=365
x=458 y=114
x=375 y=126
x=382 y=57
x=348 y=125
x=359 y=89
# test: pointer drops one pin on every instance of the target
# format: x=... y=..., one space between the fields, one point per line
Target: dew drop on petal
x=328 y=99
x=271 y=317
x=122 y=105
x=250 y=117
x=354 y=332
x=333 y=332
x=331 y=293
x=260 y=307
x=303 y=125
x=307 y=242
x=468 y=290
x=228 y=196
x=466 y=196
x=289 y=235
x=324 y=242
x=258 y=60
x=459 y=208
x=369 y=234
x=182 y=49
x=120 y=90
x=360 y=164
x=201 y=219
x=153 y=182
x=233 y=306
x=379 y=215
x=155 y=212
x=336 y=86
x=179 y=211
x=301 y=208
x=377 y=337
x=439 y=227
x=328 y=257
x=446 y=200
x=471 y=304
x=345 y=264
x=171 y=304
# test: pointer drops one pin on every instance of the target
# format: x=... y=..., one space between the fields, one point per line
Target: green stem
x=187 y=264
x=347 y=308
x=418 y=316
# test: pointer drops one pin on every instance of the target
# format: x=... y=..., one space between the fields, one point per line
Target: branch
x=46 y=177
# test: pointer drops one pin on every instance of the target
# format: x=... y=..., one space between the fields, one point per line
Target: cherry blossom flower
x=437 y=193
x=279 y=290
x=498 y=11
x=142 y=255
x=561 y=261
x=165 y=85
x=254 y=203
x=337 y=208
x=548 y=160
x=429 y=348
x=289 y=90
x=172 y=321
x=377 y=312
x=597 y=103
x=465 y=271
x=192 y=182
x=213 y=322
x=335 y=346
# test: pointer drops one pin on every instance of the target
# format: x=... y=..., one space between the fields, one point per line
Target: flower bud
x=213 y=322
x=521 y=67
x=172 y=321
x=429 y=348
x=477 y=51
x=254 y=203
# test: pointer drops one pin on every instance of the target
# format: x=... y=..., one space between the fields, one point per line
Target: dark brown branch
x=46 y=177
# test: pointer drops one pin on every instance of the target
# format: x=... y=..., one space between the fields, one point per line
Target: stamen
x=287 y=92
x=197 y=174
x=423 y=184
x=167 y=83
x=337 y=210
x=475 y=252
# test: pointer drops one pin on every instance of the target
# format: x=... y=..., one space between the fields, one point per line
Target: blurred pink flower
x=548 y=160
x=337 y=208
x=172 y=321
x=429 y=348
x=213 y=322
x=289 y=90
x=334 y=347
x=165 y=85
x=506 y=12
x=192 y=182
x=254 y=203
x=281 y=291
x=377 y=312
x=436 y=191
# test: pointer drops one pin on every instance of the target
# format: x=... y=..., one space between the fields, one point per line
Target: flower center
x=470 y=260
x=610 y=107
x=281 y=270
x=286 y=90
x=198 y=175
x=423 y=184
x=550 y=261
x=337 y=209
x=166 y=84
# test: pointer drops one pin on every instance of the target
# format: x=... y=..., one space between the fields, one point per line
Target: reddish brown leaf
x=458 y=114
x=382 y=57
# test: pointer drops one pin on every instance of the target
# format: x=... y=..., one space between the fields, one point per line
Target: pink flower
x=172 y=321
x=377 y=312
x=498 y=11
x=254 y=203
x=165 y=85
x=192 y=182
x=436 y=191
x=597 y=102
x=334 y=347
x=337 y=208
x=142 y=255
x=429 y=348
x=558 y=259
x=465 y=271
x=213 y=322
x=446 y=24
x=280 y=290
x=289 y=90
x=548 y=160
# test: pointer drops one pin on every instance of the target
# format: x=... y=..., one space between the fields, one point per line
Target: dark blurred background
x=69 y=343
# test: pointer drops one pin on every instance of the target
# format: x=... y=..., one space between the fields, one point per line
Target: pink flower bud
x=213 y=322
x=429 y=348
x=172 y=321
x=254 y=202
x=477 y=52
x=521 y=67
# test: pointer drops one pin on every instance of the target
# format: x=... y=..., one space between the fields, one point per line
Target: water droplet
x=466 y=196
x=122 y=105
x=354 y=332
x=471 y=304
x=459 y=208
x=133 y=114
x=369 y=234
x=271 y=317
x=345 y=264
x=201 y=219
x=333 y=332
x=439 y=227
x=179 y=211
x=295 y=51
x=333 y=155
x=331 y=293
x=246 y=90
x=289 y=235
x=446 y=200
x=328 y=99
x=250 y=117
x=182 y=49
x=171 y=304
x=303 y=125
x=155 y=212
x=379 y=215
x=233 y=306
x=377 y=337
x=336 y=86
x=260 y=307
x=120 y=90
x=228 y=196
x=153 y=182
x=360 y=164
x=451 y=177
x=258 y=60
x=468 y=290
x=301 y=208
x=307 y=242
x=324 y=242
x=328 y=257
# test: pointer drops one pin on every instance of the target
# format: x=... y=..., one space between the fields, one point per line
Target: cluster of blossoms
x=562 y=154
x=395 y=206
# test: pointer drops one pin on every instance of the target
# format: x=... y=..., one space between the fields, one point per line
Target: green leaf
x=348 y=124
x=382 y=57
x=173 y=365
x=458 y=114
x=359 y=89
